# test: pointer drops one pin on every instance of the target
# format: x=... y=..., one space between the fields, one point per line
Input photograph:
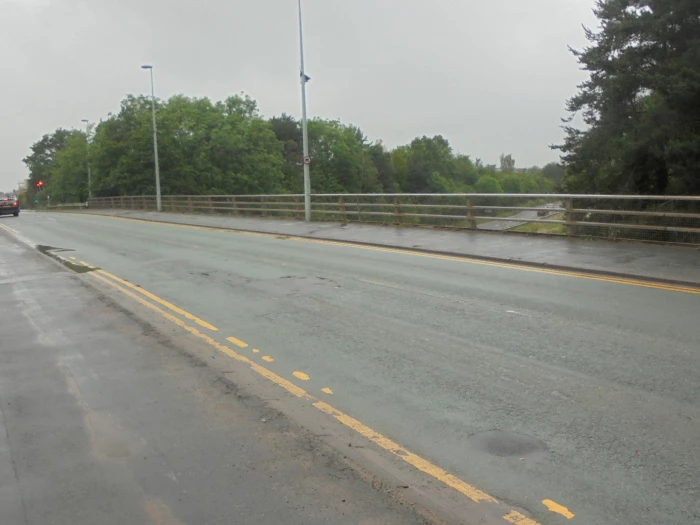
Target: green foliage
x=488 y=184
x=226 y=147
x=641 y=104
x=507 y=163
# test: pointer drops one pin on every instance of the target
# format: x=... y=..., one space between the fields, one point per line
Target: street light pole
x=305 y=127
x=155 y=138
x=87 y=155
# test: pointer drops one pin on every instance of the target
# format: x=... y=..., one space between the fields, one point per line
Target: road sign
x=307 y=160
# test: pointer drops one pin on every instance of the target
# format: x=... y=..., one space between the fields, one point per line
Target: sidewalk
x=676 y=264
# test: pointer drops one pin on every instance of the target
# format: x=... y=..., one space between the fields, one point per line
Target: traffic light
x=40 y=185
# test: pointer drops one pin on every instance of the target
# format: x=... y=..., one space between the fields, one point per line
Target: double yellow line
x=140 y=295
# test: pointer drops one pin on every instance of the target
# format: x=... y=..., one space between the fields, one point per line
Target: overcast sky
x=491 y=76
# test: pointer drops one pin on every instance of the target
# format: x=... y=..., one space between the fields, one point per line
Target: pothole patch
x=503 y=444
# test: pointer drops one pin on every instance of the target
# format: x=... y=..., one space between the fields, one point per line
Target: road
x=501 y=225
x=533 y=386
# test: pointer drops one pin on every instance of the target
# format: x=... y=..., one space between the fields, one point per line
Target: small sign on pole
x=307 y=160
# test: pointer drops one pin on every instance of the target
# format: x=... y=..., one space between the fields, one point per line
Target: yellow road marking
x=237 y=342
x=256 y=351
x=553 y=506
x=302 y=376
x=421 y=464
x=516 y=518
x=327 y=391
x=400 y=452
x=268 y=358
x=157 y=299
x=287 y=385
x=458 y=258
x=74 y=258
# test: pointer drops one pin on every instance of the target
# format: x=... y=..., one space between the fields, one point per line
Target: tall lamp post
x=87 y=156
x=304 y=126
x=155 y=138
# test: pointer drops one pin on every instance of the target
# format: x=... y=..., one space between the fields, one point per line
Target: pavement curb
x=466 y=256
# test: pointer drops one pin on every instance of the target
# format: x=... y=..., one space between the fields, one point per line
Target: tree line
x=227 y=147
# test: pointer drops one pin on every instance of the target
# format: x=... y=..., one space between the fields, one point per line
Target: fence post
x=397 y=211
x=471 y=222
x=341 y=204
x=211 y=204
x=235 y=205
x=189 y=204
x=263 y=210
x=569 y=216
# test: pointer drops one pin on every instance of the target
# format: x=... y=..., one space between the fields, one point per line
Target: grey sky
x=491 y=76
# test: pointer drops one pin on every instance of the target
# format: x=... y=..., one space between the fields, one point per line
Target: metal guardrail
x=636 y=217
x=62 y=206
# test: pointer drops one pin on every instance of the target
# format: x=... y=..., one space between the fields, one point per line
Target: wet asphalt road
x=594 y=386
x=103 y=423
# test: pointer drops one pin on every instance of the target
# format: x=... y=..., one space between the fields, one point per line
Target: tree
x=554 y=172
x=488 y=184
x=507 y=163
x=429 y=165
x=41 y=162
x=69 y=181
x=641 y=103
x=288 y=132
x=511 y=183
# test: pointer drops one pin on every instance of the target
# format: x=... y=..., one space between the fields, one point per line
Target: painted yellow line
x=157 y=299
x=237 y=342
x=256 y=351
x=458 y=258
x=387 y=444
x=287 y=385
x=553 y=506
x=516 y=518
x=268 y=358
x=327 y=391
x=421 y=464
x=86 y=264
x=302 y=376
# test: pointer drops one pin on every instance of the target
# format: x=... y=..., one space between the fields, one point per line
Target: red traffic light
x=40 y=184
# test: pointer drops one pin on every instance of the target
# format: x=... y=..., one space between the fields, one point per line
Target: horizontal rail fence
x=631 y=217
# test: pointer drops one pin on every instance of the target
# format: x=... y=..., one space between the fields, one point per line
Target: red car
x=9 y=205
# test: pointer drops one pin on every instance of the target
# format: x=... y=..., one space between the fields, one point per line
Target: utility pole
x=155 y=139
x=87 y=155
x=305 y=127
